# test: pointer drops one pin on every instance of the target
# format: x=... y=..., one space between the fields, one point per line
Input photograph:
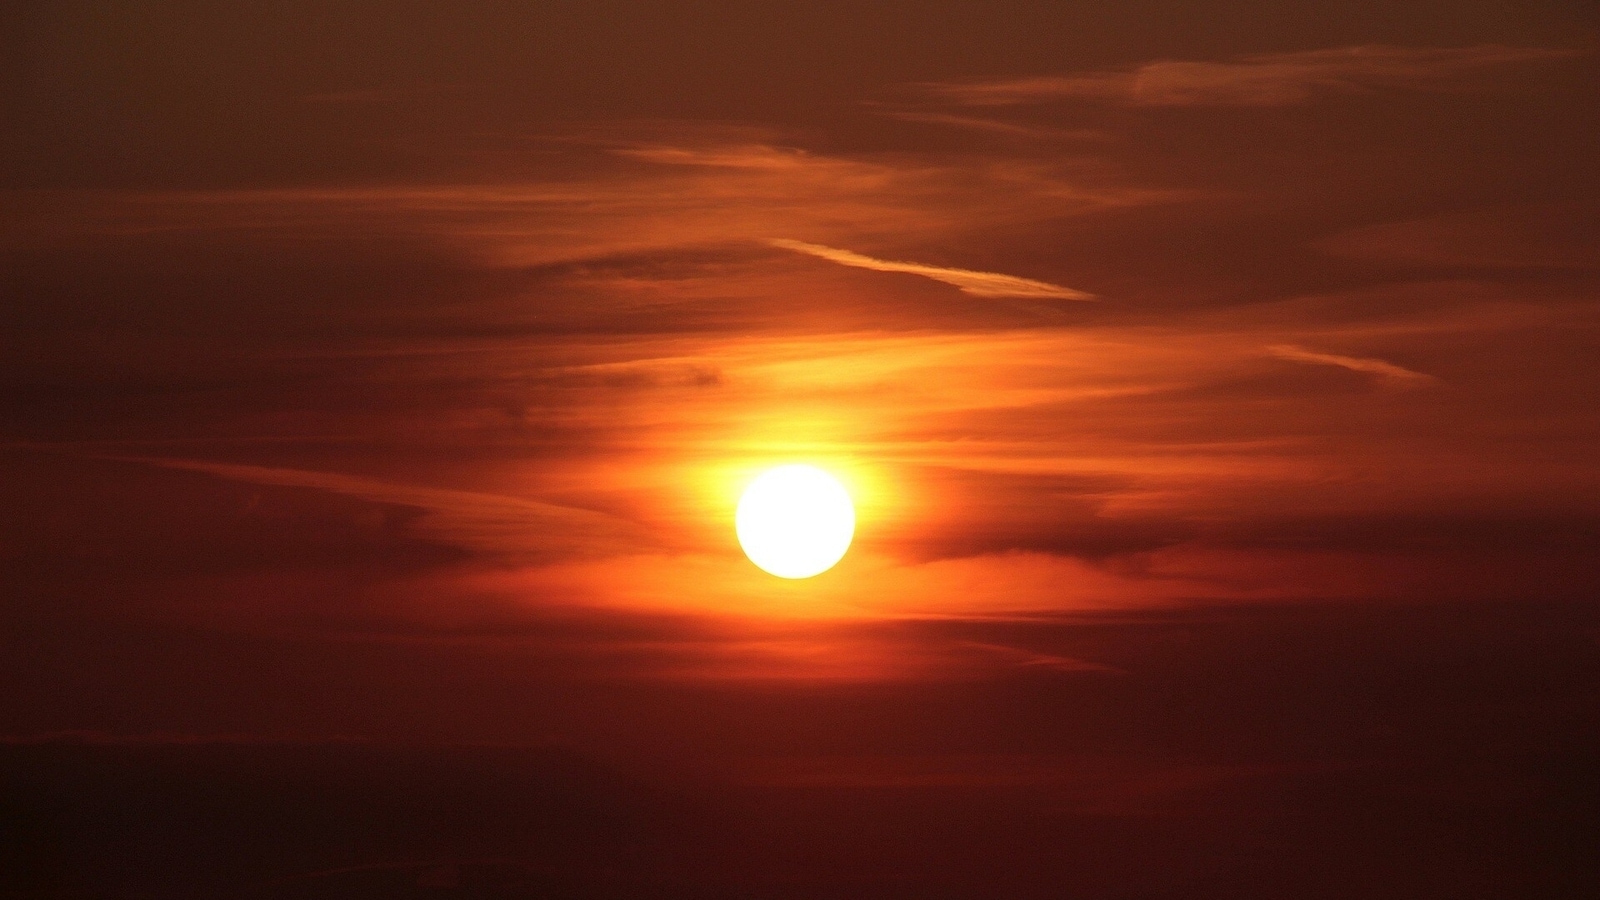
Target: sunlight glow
x=795 y=521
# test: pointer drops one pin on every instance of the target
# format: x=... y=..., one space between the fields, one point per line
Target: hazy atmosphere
x=1215 y=385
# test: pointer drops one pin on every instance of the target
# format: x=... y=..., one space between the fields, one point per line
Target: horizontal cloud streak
x=1273 y=79
x=1544 y=235
x=493 y=523
x=632 y=200
x=978 y=284
x=1353 y=363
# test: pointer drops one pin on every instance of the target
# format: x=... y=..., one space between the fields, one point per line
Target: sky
x=1215 y=383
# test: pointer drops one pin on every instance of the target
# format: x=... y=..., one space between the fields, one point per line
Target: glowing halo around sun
x=795 y=521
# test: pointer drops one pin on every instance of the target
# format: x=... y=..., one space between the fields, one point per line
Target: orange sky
x=1259 y=317
x=390 y=338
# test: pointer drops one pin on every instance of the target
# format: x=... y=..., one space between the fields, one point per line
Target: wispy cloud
x=978 y=284
x=733 y=156
x=639 y=198
x=997 y=126
x=1022 y=658
x=1544 y=235
x=494 y=523
x=1381 y=368
x=1272 y=79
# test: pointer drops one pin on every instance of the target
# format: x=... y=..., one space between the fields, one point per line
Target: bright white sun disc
x=795 y=521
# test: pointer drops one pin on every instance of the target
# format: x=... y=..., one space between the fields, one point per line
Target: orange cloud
x=978 y=284
x=512 y=527
x=1548 y=235
x=1377 y=367
x=613 y=351
x=634 y=199
x=997 y=126
x=1271 y=79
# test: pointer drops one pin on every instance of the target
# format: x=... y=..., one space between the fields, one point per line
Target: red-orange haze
x=1215 y=382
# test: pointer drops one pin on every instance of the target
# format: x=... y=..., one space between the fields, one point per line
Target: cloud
x=1377 y=367
x=1272 y=79
x=1069 y=466
x=978 y=284
x=502 y=525
x=1555 y=236
x=1030 y=659
x=730 y=156
x=997 y=126
x=624 y=200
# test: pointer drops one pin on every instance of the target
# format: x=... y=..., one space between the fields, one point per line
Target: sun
x=795 y=521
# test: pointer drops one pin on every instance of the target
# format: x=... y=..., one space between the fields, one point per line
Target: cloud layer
x=1262 y=80
x=501 y=400
x=1355 y=364
x=378 y=382
x=978 y=284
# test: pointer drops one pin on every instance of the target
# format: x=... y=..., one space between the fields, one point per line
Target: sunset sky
x=1216 y=383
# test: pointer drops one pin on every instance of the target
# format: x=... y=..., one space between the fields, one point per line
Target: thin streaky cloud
x=1379 y=367
x=662 y=198
x=1273 y=79
x=739 y=156
x=495 y=523
x=1021 y=658
x=971 y=123
x=996 y=126
x=978 y=284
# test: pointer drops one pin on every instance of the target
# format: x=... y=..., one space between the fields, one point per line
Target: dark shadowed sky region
x=1215 y=381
